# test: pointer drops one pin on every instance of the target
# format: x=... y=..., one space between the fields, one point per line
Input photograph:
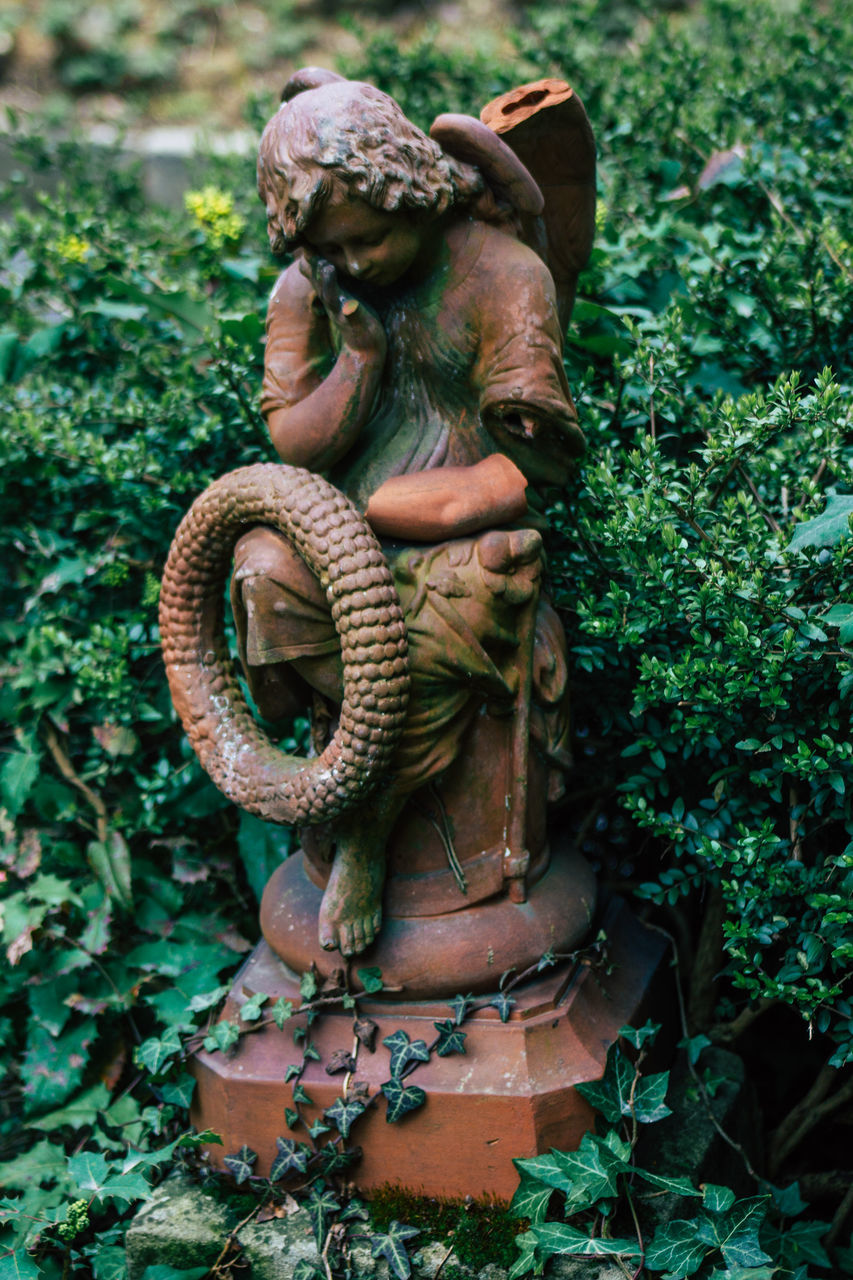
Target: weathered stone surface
x=180 y=1226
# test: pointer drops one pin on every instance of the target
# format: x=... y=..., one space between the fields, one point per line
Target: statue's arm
x=315 y=403
x=449 y=502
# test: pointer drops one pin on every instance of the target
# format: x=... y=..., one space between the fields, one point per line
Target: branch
x=66 y=768
x=808 y=1114
x=728 y=1032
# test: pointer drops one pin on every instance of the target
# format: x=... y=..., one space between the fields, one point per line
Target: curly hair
x=351 y=138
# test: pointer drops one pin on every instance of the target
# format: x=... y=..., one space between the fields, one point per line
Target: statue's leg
x=287 y=640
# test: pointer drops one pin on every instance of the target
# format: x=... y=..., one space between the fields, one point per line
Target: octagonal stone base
x=510 y=1095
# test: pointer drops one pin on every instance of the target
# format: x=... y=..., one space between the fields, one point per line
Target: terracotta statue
x=413 y=359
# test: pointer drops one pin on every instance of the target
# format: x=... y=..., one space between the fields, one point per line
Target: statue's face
x=365 y=243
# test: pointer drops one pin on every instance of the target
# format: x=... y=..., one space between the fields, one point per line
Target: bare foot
x=351 y=910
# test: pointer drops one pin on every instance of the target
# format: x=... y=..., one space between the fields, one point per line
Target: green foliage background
x=702 y=562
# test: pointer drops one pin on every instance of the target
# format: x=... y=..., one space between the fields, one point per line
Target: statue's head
x=346 y=140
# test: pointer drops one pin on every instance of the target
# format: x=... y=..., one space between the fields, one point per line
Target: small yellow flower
x=214 y=212
x=72 y=248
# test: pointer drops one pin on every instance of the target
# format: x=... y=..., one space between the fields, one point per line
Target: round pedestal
x=442 y=954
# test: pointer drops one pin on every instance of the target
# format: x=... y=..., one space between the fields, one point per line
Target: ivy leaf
x=681 y=1186
x=391 y=1244
x=402 y=1098
x=292 y=1158
x=461 y=1005
x=334 y=1160
x=450 y=1039
x=251 y=1010
x=162 y=1271
x=717 y=1199
x=344 y=1114
x=735 y=1233
x=321 y=1205
x=403 y=1052
x=611 y=1094
x=503 y=1003
x=341 y=1060
x=556 y=1238
x=156 y=1052
x=318 y=1128
x=240 y=1165
x=222 y=1036
x=299 y=1095
x=531 y=1199
x=649 y=1095
x=370 y=979
x=364 y=1031
x=637 y=1036
x=293 y=1072
x=676 y=1249
x=544 y=1169
x=291 y=1117
x=308 y=986
x=281 y=1011
x=526 y=1260
x=178 y=1093
x=593 y=1169
x=110 y=1263
x=305 y=1269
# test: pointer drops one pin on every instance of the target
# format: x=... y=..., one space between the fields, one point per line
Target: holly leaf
x=240 y=1165
x=18 y=1265
x=344 y=1114
x=391 y=1245
x=676 y=1249
x=292 y=1158
x=110 y=1263
x=93 y=1173
x=828 y=528
x=461 y=1006
x=556 y=1238
x=403 y=1052
x=321 y=1205
x=402 y=1098
x=450 y=1039
x=503 y=1003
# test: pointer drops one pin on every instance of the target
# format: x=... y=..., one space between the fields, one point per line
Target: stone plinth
x=512 y=1093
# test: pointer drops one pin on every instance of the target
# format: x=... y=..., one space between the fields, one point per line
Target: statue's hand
x=358 y=325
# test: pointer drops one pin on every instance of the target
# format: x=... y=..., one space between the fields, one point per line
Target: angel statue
x=388 y=578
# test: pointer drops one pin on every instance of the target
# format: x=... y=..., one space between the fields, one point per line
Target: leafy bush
x=702 y=562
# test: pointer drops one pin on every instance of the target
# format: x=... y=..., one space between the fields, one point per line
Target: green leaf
x=44 y=1162
x=158 y=1051
x=676 y=1249
x=240 y=1165
x=828 y=528
x=391 y=1245
x=681 y=1186
x=717 y=1199
x=292 y=1158
x=192 y=317
x=545 y=1169
x=461 y=1006
x=223 y=1035
x=110 y=861
x=526 y=1260
x=612 y=1093
x=554 y=1239
x=263 y=846
x=281 y=1011
x=450 y=1039
x=322 y=1205
x=503 y=1004
x=18 y=1265
x=162 y=1271
x=593 y=1169
x=403 y=1052
x=638 y=1036
x=402 y=1098
x=82 y=1110
x=17 y=778
x=91 y=1172
x=110 y=1262
x=300 y=1095
x=251 y=1010
x=531 y=1199
x=178 y=1093
x=649 y=1105
x=344 y=1114
x=370 y=979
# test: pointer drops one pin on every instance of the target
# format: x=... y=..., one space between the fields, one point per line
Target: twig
x=66 y=768
x=697 y=1079
x=727 y=1032
x=806 y=1115
x=770 y=522
x=840 y=1217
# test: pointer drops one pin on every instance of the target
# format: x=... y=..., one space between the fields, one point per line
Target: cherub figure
x=414 y=357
